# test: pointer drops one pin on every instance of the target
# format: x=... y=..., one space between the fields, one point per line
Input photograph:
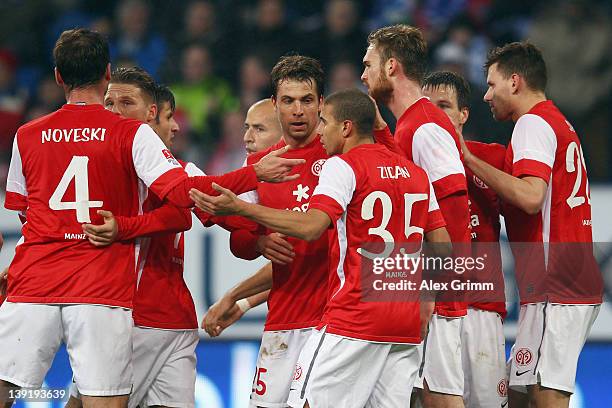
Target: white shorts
x=164 y=367
x=483 y=355
x=441 y=363
x=278 y=355
x=549 y=340
x=98 y=340
x=340 y=372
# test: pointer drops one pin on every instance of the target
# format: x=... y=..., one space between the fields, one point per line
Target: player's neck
x=297 y=143
x=353 y=142
x=405 y=94
x=526 y=103
x=88 y=96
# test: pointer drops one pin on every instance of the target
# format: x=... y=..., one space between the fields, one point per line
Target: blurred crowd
x=216 y=56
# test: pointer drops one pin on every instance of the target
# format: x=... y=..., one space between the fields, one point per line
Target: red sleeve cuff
x=15 y=201
x=534 y=168
x=435 y=220
x=448 y=185
x=167 y=181
x=328 y=205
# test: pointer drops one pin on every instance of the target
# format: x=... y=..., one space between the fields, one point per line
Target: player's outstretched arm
x=225 y=311
x=307 y=226
x=166 y=219
x=527 y=193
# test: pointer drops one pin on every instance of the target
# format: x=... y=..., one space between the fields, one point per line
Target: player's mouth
x=298 y=126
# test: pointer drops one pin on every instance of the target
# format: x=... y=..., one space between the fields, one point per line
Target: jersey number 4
x=367 y=213
x=77 y=170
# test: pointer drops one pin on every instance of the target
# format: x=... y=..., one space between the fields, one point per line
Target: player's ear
x=515 y=81
x=347 y=127
x=391 y=67
x=152 y=113
x=464 y=114
x=58 y=77
x=107 y=73
x=273 y=99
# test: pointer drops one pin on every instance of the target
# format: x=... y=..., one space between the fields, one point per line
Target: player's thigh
x=335 y=371
x=276 y=366
x=151 y=349
x=174 y=385
x=441 y=364
x=30 y=335
x=567 y=328
x=394 y=386
x=99 y=344
x=483 y=358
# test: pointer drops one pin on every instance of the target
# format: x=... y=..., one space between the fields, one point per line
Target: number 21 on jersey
x=77 y=170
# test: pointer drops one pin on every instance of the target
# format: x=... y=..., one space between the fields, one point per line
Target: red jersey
x=64 y=167
x=299 y=289
x=372 y=195
x=484 y=216
x=425 y=135
x=160 y=272
x=545 y=145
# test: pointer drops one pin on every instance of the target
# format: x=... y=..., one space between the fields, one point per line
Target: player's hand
x=467 y=155
x=427 y=308
x=105 y=234
x=3 y=281
x=226 y=203
x=275 y=169
x=379 y=122
x=220 y=316
x=276 y=248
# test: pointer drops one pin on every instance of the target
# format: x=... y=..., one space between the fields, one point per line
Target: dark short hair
x=163 y=94
x=138 y=77
x=81 y=57
x=353 y=105
x=522 y=58
x=298 y=68
x=453 y=80
x=406 y=44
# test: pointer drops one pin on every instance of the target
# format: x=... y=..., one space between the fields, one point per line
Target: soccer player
x=64 y=166
x=482 y=335
x=261 y=126
x=165 y=333
x=547 y=203
x=395 y=64
x=363 y=353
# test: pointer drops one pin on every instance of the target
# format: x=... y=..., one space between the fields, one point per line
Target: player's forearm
x=166 y=219
x=257 y=283
x=239 y=181
x=513 y=190
x=292 y=223
x=259 y=298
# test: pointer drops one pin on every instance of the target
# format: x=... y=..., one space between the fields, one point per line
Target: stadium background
x=216 y=56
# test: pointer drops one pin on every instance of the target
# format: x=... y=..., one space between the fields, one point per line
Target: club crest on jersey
x=168 y=155
x=502 y=388
x=523 y=357
x=479 y=182
x=317 y=166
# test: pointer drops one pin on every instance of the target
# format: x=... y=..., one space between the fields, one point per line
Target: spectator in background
x=271 y=34
x=344 y=75
x=49 y=97
x=341 y=38
x=230 y=152
x=203 y=97
x=12 y=100
x=254 y=80
x=135 y=40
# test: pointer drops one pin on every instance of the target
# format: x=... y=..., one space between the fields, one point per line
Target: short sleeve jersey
x=160 y=276
x=545 y=145
x=485 y=220
x=299 y=289
x=64 y=167
x=372 y=195
x=425 y=135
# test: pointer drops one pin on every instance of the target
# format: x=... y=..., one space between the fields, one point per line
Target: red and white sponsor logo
x=317 y=166
x=479 y=182
x=298 y=372
x=523 y=357
x=168 y=155
x=502 y=388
